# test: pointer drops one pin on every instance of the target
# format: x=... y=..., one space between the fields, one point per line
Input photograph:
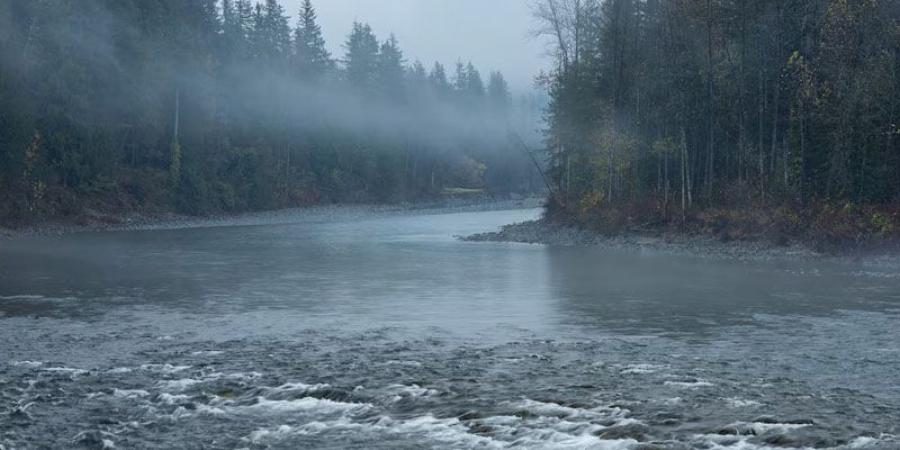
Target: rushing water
x=377 y=330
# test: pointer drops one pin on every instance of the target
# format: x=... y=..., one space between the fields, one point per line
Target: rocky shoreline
x=557 y=235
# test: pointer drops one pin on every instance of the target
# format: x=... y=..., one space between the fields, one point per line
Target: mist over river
x=352 y=329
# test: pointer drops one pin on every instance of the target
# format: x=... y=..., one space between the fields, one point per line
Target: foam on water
x=640 y=369
x=884 y=441
x=208 y=353
x=66 y=370
x=264 y=434
x=164 y=368
x=28 y=364
x=130 y=393
x=179 y=385
x=172 y=399
x=400 y=391
x=308 y=404
x=735 y=402
x=863 y=442
x=302 y=387
x=758 y=428
x=693 y=384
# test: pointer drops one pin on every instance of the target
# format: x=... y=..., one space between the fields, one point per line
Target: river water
x=352 y=329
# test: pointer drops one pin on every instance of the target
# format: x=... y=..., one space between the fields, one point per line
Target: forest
x=733 y=115
x=210 y=106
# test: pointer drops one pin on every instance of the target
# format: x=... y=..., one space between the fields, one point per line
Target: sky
x=493 y=34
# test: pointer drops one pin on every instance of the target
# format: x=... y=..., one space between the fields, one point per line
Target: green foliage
x=311 y=55
x=732 y=103
x=362 y=56
x=87 y=111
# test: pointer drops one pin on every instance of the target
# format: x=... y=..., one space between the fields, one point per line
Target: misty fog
x=494 y=34
x=450 y=224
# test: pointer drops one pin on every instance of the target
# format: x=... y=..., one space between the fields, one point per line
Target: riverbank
x=818 y=229
x=546 y=232
x=93 y=221
x=554 y=234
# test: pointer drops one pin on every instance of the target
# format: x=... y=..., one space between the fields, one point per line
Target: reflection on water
x=380 y=330
x=689 y=294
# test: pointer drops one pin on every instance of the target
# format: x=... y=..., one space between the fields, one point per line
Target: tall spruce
x=311 y=55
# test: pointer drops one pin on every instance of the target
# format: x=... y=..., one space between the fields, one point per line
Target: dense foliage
x=208 y=105
x=663 y=108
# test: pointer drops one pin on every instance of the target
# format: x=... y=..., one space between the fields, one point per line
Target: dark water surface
x=360 y=330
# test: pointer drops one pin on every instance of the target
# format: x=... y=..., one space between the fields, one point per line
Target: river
x=378 y=330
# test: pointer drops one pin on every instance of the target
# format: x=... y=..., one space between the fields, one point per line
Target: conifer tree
x=361 y=57
x=498 y=92
x=312 y=58
x=474 y=82
x=271 y=37
x=391 y=69
x=439 y=81
x=461 y=78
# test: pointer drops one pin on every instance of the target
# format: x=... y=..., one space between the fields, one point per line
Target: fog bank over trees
x=205 y=106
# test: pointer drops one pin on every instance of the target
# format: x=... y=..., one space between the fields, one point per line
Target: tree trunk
x=802 y=153
x=775 y=104
x=177 y=120
x=787 y=158
x=742 y=101
x=760 y=147
x=609 y=167
x=683 y=175
x=666 y=184
x=710 y=151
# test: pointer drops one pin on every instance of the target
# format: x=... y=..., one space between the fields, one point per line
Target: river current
x=342 y=328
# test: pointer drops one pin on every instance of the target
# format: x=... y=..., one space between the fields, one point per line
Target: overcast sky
x=493 y=34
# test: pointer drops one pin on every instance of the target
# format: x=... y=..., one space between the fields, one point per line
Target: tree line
x=221 y=105
x=681 y=105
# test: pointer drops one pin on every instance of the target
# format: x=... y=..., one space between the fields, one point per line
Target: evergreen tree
x=474 y=83
x=361 y=57
x=417 y=79
x=312 y=58
x=234 y=36
x=391 y=69
x=498 y=92
x=271 y=36
x=417 y=73
x=174 y=104
x=439 y=81
x=719 y=100
x=461 y=78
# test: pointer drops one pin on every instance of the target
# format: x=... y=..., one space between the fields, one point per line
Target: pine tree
x=498 y=92
x=312 y=58
x=417 y=77
x=271 y=35
x=461 y=78
x=438 y=79
x=417 y=73
x=234 y=38
x=390 y=69
x=361 y=57
x=245 y=17
x=474 y=83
